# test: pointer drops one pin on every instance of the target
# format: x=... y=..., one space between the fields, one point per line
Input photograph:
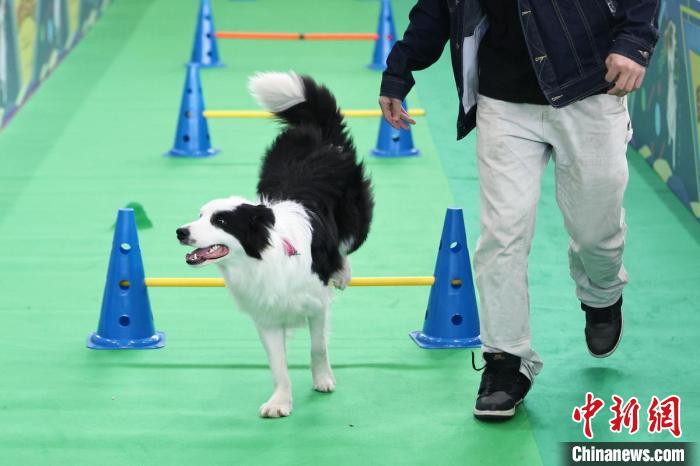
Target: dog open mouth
x=201 y=255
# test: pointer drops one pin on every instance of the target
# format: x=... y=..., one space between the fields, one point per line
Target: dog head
x=226 y=229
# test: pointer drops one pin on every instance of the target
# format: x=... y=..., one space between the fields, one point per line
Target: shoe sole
x=488 y=415
x=617 y=343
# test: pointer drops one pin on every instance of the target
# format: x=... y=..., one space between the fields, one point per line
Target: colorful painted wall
x=35 y=35
x=666 y=111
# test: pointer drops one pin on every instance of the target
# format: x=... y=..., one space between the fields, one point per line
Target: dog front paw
x=275 y=407
x=324 y=382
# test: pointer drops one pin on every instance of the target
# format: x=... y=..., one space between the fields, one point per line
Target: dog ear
x=257 y=234
x=249 y=224
x=262 y=215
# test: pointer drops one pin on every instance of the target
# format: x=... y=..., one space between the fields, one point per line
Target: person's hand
x=626 y=73
x=394 y=113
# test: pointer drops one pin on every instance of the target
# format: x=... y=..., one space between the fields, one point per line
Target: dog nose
x=182 y=233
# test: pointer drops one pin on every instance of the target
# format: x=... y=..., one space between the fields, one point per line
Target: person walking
x=539 y=80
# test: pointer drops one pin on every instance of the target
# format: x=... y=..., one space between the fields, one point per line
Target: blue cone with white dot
x=205 y=50
x=386 y=37
x=126 y=321
x=192 y=134
x=452 y=319
x=392 y=142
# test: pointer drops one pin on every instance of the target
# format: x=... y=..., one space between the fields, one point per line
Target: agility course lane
x=661 y=318
x=196 y=400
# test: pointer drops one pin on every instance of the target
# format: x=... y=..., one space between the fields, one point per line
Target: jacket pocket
x=588 y=22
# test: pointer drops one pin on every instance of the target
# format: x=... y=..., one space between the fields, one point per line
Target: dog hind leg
x=341 y=278
x=280 y=403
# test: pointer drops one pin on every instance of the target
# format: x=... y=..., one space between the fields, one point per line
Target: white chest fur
x=279 y=289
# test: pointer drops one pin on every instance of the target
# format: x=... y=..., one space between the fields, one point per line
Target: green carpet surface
x=91 y=140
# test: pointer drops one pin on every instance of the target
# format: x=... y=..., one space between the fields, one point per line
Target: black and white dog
x=282 y=254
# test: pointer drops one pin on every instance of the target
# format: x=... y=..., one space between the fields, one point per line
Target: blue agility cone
x=386 y=37
x=126 y=321
x=192 y=136
x=451 y=320
x=393 y=142
x=205 y=51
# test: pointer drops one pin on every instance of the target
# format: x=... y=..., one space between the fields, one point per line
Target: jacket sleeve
x=636 y=31
x=422 y=44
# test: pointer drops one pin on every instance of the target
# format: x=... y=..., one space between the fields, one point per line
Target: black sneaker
x=603 y=328
x=502 y=388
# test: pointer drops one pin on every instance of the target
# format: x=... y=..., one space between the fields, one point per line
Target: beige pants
x=587 y=141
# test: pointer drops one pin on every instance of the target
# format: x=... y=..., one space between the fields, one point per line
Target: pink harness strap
x=289 y=249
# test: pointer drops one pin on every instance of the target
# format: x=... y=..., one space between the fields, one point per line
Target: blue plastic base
x=427 y=342
x=389 y=154
x=196 y=154
x=97 y=342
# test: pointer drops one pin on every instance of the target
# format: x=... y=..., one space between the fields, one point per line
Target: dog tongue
x=201 y=255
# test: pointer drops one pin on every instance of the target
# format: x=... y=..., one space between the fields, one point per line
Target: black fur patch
x=313 y=161
x=249 y=224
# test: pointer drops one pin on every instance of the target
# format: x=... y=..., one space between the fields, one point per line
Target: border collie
x=282 y=254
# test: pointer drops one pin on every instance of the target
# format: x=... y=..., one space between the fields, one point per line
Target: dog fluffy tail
x=298 y=100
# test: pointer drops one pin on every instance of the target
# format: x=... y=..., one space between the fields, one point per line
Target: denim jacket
x=568 y=42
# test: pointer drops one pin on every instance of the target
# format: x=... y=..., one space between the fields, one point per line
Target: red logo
x=662 y=414
x=626 y=416
x=665 y=415
x=587 y=412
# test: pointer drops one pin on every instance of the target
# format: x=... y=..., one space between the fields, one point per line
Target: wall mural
x=665 y=112
x=35 y=35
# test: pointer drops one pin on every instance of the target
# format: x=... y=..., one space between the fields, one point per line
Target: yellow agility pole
x=185 y=282
x=263 y=114
x=357 y=281
x=392 y=281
